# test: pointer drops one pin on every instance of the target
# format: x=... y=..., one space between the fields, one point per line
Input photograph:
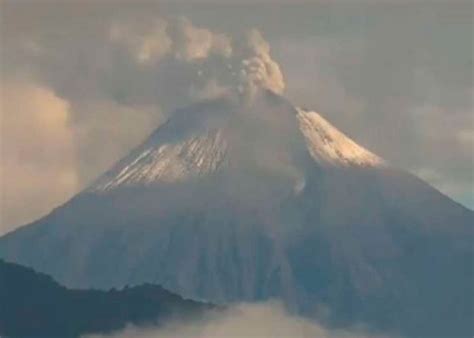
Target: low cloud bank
x=265 y=320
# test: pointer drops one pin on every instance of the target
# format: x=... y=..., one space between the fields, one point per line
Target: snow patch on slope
x=328 y=146
x=168 y=162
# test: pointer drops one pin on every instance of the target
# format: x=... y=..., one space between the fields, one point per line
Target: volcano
x=238 y=200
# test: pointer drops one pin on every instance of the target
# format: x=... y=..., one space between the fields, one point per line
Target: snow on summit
x=203 y=141
x=328 y=145
x=169 y=162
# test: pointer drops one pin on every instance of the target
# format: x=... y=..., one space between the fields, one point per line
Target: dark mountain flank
x=34 y=305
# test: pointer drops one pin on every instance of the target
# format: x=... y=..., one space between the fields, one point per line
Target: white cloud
x=265 y=320
x=38 y=160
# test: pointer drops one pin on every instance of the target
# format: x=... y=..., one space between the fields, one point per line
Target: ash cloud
x=258 y=68
x=240 y=64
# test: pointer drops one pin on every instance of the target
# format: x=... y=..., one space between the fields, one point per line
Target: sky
x=82 y=82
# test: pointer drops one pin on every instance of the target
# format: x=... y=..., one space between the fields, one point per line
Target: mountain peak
x=266 y=132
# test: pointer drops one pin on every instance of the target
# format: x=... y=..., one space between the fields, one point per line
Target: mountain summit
x=223 y=134
x=247 y=200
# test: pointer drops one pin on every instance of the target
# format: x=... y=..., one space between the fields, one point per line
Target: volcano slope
x=251 y=200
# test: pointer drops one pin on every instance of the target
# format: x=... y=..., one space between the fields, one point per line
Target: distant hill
x=34 y=305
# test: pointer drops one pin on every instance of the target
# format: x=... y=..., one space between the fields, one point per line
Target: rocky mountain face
x=246 y=201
